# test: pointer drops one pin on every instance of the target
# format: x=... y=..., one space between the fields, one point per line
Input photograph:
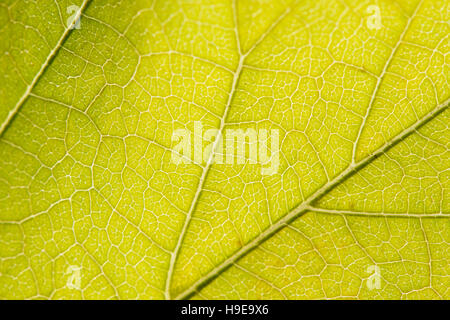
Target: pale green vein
x=304 y=207
x=236 y=78
x=380 y=79
x=44 y=66
x=379 y=214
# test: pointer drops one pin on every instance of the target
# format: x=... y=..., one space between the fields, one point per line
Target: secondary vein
x=41 y=71
x=380 y=80
x=202 y=181
x=304 y=207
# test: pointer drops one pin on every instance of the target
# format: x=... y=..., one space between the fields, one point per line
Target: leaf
x=93 y=206
x=29 y=42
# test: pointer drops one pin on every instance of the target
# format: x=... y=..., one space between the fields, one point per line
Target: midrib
x=41 y=71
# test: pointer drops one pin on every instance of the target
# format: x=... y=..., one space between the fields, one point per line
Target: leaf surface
x=87 y=181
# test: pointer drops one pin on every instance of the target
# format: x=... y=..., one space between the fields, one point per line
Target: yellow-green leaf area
x=92 y=204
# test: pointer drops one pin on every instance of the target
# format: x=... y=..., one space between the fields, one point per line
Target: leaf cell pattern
x=86 y=124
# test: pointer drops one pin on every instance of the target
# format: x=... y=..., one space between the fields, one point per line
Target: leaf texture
x=87 y=181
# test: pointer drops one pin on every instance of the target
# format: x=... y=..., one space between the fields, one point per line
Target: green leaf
x=92 y=204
